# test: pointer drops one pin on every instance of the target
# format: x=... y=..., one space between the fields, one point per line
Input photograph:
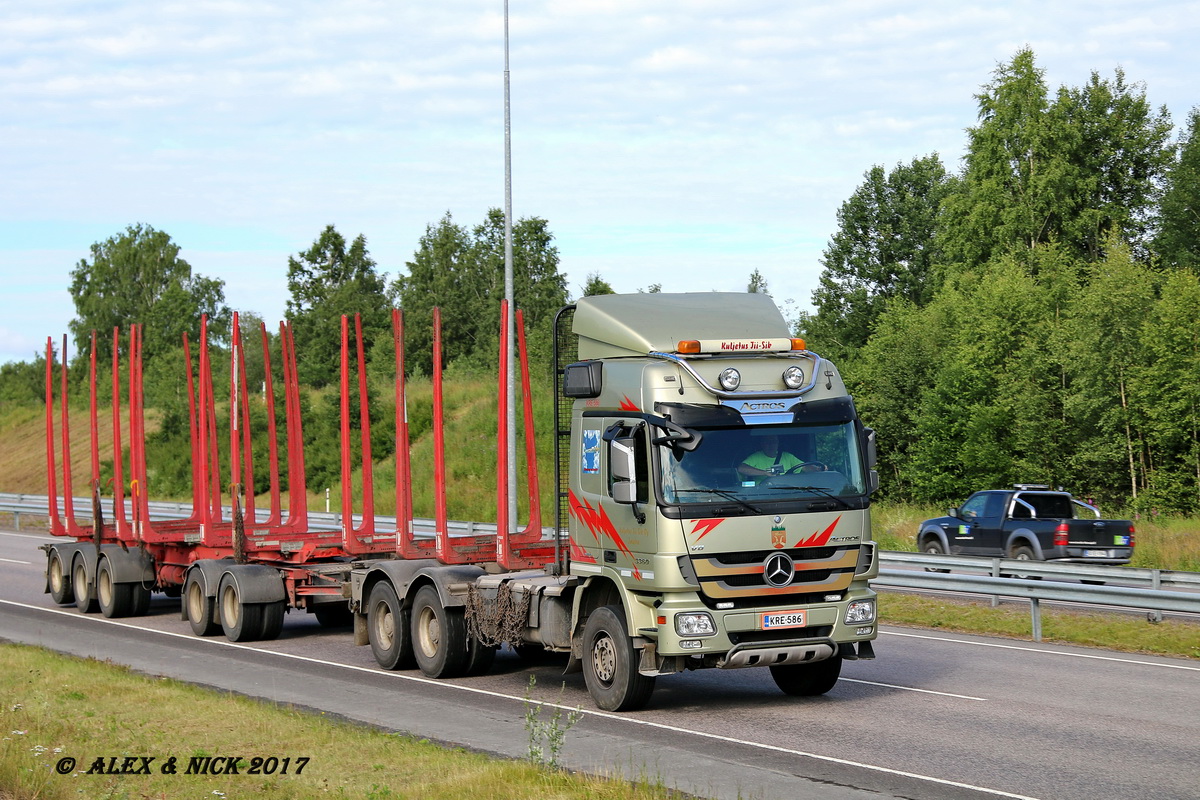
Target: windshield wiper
x=816 y=490
x=728 y=495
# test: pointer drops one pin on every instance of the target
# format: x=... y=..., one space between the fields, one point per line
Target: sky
x=666 y=142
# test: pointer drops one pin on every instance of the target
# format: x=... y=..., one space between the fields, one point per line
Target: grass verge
x=1132 y=634
x=57 y=707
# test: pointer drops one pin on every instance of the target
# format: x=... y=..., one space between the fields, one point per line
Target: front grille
x=786 y=635
x=739 y=576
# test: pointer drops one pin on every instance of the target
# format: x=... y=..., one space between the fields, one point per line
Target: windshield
x=754 y=465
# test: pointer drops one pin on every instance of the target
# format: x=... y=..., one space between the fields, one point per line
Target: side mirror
x=954 y=512
x=623 y=464
x=872 y=449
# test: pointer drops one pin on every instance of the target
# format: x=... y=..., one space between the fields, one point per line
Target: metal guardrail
x=1151 y=589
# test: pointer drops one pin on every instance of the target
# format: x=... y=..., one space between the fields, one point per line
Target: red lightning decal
x=629 y=405
x=705 y=526
x=597 y=521
x=818 y=539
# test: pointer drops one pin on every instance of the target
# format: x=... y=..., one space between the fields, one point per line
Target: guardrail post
x=1036 y=610
x=17 y=520
x=995 y=574
x=1156 y=583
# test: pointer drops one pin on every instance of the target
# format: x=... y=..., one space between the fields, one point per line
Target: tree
x=1178 y=240
x=596 y=285
x=138 y=277
x=883 y=250
x=757 y=284
x=325 y=282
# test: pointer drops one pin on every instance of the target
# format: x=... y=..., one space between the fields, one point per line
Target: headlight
x=698 y=624
x=860 y=611
x=730 y=379
x=793 y=377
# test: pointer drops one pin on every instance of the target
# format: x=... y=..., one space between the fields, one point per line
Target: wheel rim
x=80 y=579
x=104 y=588
x=195 y=602
x=429 y=632
x=604 y=659
x=384 y=630
x=231 y=609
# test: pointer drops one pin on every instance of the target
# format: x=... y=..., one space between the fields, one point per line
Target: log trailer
x=675 y=545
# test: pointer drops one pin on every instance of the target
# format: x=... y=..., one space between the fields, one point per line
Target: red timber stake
x=211 y=526
x=509 y=552
x=73 y=528
x=442 y=547
x=56 y=526
x=297 y=521
x=406 y=545
x=120 y=524
x=361 y=539
x=94 y=439
x=194 y=435
x=274 y=516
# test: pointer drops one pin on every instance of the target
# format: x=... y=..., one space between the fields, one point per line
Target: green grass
x=1132 y=634
x=57 y=707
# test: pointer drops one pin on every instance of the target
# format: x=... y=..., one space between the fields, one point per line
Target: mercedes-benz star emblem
x=778 y=569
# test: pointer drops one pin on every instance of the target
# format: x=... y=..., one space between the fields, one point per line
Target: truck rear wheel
x=808 y=680
x=272 y=620
x=59 y=578
x=388 y=628
x=610 y=663
x=79 y=584
x=201 y=609
x=480 y=657
x=439 y=636
x=242 y=622
x=119 y=599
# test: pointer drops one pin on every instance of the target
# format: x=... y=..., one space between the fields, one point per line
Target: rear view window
x=1045 y=506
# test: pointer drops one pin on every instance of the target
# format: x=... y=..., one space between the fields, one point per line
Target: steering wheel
x=808 y=466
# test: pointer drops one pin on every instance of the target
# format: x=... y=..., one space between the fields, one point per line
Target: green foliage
x=546 y=737
x=1178 y=240
x=461 y=273
x=326 y=282
x=596 y=285
x=138 y=277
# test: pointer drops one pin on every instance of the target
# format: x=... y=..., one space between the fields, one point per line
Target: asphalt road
x=934 y=716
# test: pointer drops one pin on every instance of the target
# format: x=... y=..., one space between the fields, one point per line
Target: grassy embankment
x=55 y=708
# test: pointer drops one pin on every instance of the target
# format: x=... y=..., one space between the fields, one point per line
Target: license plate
x=784 y=619
x=1097 y=553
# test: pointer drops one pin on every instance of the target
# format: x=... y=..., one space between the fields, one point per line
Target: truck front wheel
x=808 y=680
x=439 y=636
x=610 y=663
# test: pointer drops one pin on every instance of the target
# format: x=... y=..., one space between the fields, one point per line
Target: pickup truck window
x=1042 y=506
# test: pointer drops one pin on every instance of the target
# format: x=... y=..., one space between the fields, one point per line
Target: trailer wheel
x=808 y=680
x=59 y=579
x=83 y=600
x=272 y=620
x=201 y=609
x=439 y=636
x=333 y=615
x=388 y=628
x=242 y=622
x=610 y=663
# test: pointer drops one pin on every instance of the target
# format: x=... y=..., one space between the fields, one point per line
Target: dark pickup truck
x=1031 y=523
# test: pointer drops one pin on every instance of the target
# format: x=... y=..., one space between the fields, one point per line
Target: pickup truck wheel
x=201 y=609
x=439 y=636
x=808 y=680
x=610 y=663
x=388 y=628
x=1023 y=553
x=934 y=548
x=59 y=579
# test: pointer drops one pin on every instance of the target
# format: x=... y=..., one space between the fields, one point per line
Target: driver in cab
x=769 y=461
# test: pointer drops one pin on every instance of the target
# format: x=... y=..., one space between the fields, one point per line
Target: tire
x=333 y=615
x=388 y=628
x=1023 y=553
x=808 y=680
x=242 y=622
x=479 y=657
x=272 y=620
x=83 y=601
x=610 y=663
x=201 y=609
x=933 y=547
x=439 y=636
x=58 y=576
x=115 y=599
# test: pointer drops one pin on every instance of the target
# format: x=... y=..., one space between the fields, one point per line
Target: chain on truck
x=713 y=488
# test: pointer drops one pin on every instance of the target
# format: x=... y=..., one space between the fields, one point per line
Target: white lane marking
x=489 y=693
x=43 y=536
x=1031 y=649
x=914 y=689
x=14 y=561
